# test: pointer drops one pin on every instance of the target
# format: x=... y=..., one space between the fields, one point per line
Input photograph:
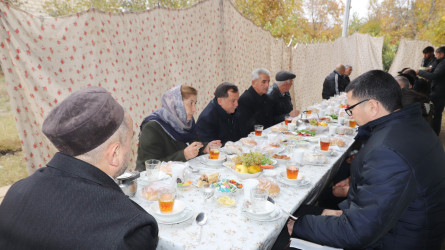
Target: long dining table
x=228 y=226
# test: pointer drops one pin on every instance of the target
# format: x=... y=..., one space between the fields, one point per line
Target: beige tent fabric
x=313 y=62
x=409 y=55
x=138 y=56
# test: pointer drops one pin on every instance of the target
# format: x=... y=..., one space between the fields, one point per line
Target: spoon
x=201 y=220
x=286 y=212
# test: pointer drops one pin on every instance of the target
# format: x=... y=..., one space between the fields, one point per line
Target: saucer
x=178 y=208
x=207 y=161
x=161 y=176
x=267 y=209
x=275 y=215
x=184 y=216
x=299 y=182
x=329 y=152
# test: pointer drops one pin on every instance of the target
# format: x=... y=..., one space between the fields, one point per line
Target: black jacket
x=329 y=85
x=215 y=124
x=281 y=103
x=254 y=109
x=396 y=197
x=437 y=78
x=71 y=204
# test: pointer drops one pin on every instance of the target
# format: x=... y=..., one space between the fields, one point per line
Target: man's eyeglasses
x=349 y=109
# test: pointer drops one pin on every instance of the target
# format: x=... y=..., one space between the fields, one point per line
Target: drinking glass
x=325 y=141
x=258 y=197
x=292 y=171
x=287 y=119
x=352 y=123
x=166 y=199
x=152 y=168
x=214 y=152
x=258 y=130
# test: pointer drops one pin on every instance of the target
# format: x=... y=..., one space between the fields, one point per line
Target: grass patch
x=9 y=138
x=4 y=97
x=13 y=168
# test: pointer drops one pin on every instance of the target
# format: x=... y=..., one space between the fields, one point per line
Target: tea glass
x=258 y=130
x=325 y=141
x=214 y=152
x=292 y=171
x=166 y=199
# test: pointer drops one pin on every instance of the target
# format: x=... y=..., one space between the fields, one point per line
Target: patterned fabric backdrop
x=138 y=56
x=409 y=55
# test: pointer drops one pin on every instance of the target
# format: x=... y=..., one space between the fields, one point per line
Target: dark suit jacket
x=71 y=204
x=254 y=109
x=329 y=85
x=215 y=124
x=281 y=104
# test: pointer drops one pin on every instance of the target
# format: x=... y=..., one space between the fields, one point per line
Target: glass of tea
x=352 y=123
x=166 y=199
x=287 y=119
x=292 y=171
x=214 y=152
x=325 y=141
x=258 y=130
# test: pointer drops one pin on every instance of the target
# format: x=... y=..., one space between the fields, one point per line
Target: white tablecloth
x=226 y=227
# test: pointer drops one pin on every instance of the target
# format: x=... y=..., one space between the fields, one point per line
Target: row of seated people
x=171 y=134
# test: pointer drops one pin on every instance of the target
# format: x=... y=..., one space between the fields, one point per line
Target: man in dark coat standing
x=254 y=105
x=348 y=72
x=396 y=191
x=280 y=97
x=334 y=83
x=437 y=94
x=219 y=120
x=74 y=202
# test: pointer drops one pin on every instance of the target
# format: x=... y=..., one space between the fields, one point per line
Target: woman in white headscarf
x=169 y=134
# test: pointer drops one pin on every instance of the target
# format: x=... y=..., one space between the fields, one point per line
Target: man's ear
x=219 y=100
x=112 y=154
x=374 y=108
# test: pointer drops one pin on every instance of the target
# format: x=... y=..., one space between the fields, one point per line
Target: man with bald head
x=74 y=202
x=334 y=83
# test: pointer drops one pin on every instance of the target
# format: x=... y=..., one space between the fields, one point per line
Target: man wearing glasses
x=396 y=192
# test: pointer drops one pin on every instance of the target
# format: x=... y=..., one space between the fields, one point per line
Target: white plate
x=299 y=182
x=275 y=215
x=178 y=207
x=184 y=216
x=267 y=209
x=320 y=160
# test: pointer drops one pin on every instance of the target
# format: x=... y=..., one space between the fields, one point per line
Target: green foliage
x=65 y=7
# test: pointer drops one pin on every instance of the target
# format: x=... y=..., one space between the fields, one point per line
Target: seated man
x=219 y=120
x=74 y=202
x=254 y=105
x=334 y=83
x=280 y=98
x=396 y=191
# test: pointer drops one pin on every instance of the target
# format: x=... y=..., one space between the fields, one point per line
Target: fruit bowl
x=242 y=176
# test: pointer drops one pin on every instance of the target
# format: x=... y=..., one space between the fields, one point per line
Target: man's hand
x=294 y=113
x=330 y=212
x=215 y=142
x=341 y=189
x=290 y=226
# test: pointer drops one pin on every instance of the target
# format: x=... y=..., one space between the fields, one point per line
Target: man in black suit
x=280 y=97
x=437 y=95
x=254 y=105
x=74 y=202
x=334 y=83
